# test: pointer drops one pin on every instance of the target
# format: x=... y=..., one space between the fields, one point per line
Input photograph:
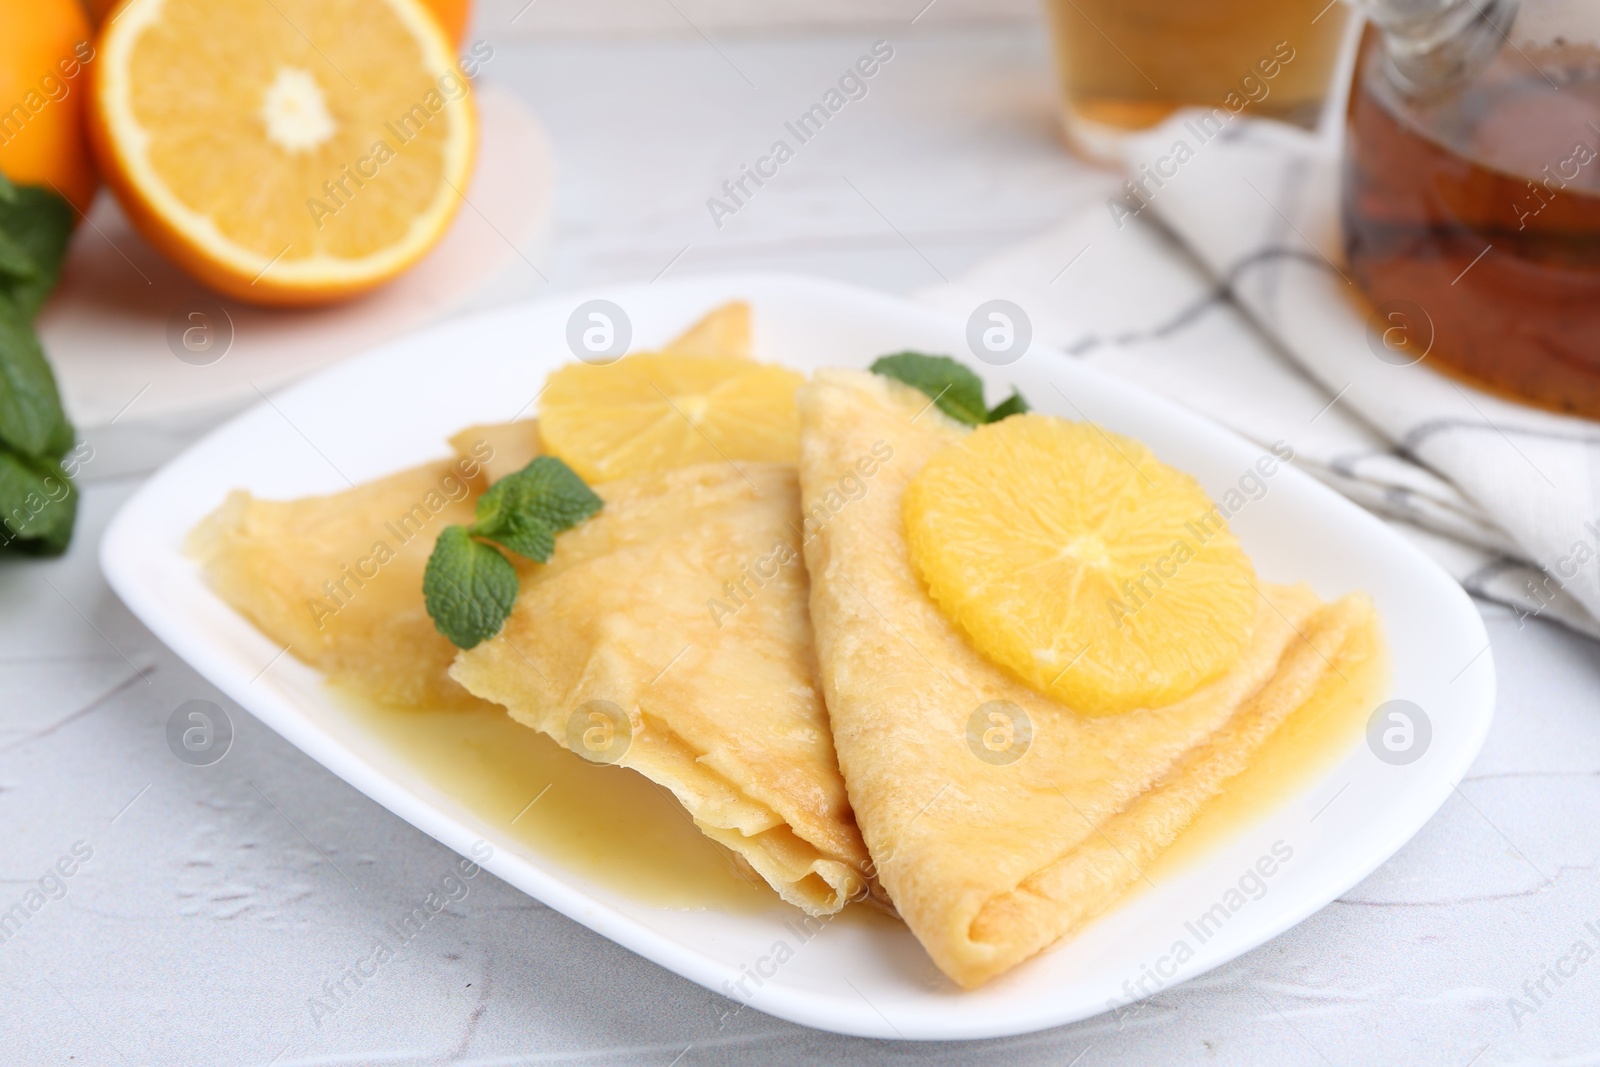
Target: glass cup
x=1125 y=65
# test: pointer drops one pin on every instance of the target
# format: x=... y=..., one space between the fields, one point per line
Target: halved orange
x=284 y=151
x=453 y=15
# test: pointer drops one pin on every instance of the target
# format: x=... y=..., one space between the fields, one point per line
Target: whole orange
x=99 y=9
x=452 y=14
x=45 y=48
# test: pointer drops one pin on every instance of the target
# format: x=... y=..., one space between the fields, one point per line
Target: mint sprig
x=954 y=388
x=524 y=511
x=469 y=585
x=14 y=259
x=32 y=421
x=38 y=504
x=1011 y=405
x=42 y=524
x=40 y=222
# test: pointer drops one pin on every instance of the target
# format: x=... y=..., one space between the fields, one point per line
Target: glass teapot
x=1471 y=190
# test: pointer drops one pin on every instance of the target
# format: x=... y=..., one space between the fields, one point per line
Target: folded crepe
x=705 y=560
x=675 y=623
x=990 y=861
x=337 y=579
x=683 y=602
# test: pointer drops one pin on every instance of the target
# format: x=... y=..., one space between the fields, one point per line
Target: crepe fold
x=683 y=604
x=670 y=634
x=990 y=858
x=337 y=579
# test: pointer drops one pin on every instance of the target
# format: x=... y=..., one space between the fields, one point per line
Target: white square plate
x=395 y=406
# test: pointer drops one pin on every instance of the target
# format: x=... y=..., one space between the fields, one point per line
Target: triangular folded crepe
x=337 y=579
x=504 y=448
x=989 y=861
x=682 y=606
x=723 y=332
x=706 y=560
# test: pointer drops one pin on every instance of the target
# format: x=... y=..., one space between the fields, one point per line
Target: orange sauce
x=609 y=825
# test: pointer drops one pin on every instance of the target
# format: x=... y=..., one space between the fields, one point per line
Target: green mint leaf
x=40 y=223
x=469 y=588
x=524 y=511
x=38 y=505
x=546 y=489
x=956 y=390
x=521 y=533
x=953 y=386
x=31 y=418
x=14 y=260
x=1013 y=405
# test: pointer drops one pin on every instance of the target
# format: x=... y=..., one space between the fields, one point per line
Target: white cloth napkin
x=1226 y=292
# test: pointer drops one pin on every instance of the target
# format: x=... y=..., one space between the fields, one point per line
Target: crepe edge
x=1043 y=909
x=972 y=962
x=798 y=870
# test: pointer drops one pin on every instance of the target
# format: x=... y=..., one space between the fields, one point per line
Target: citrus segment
x=655 y=411
x=1077 y=560
x=285 y=151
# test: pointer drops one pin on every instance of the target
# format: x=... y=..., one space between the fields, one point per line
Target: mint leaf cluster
x=954 y=388
x=469 y=584
x=38 y=504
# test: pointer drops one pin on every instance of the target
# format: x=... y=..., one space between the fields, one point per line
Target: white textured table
x=218 y=901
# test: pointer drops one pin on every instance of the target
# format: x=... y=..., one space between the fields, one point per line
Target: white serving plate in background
x=395 y=406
